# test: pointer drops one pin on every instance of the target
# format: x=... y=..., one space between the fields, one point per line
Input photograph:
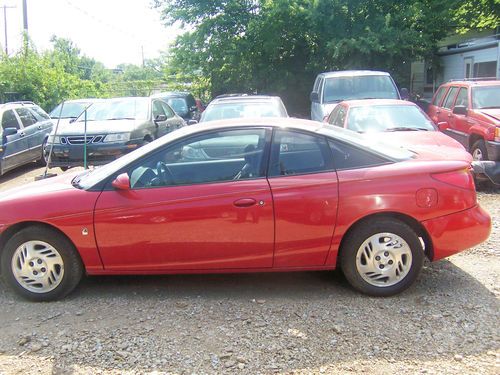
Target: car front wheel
x=40 y=264
x=478 y=151
x=381 y=257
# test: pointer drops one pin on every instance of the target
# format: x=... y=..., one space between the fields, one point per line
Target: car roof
x=172 y=94
x=472 y=83
x=245 y=98
x=376 y=102
x=10 y=105
x=352 y=73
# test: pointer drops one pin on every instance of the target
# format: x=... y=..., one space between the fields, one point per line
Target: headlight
x=54 y=139
x=118 y=137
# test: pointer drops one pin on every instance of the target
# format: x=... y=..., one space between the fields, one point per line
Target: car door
x=445 y=110
x=435 y=107
x=32 y=132
x=304 y=186
x=159 y=119
x=459 y=124
x=173 y=121
x=200 y=204
x=15 y=146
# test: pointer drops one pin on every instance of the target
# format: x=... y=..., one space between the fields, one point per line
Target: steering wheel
x=244 y=172
x=164 y=174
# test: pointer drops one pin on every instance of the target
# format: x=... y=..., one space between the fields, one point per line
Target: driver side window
x=157 y=110
x=213 y=157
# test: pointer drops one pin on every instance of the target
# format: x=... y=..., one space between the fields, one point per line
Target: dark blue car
x=24 y=132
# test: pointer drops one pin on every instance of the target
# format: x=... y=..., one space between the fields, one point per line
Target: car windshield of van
x=237 y=110
x=373 y=119
x=359 y=87
x=123 y=109
x=486 y=97
x=68 y=110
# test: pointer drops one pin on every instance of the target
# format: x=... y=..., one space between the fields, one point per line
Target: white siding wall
x=453 y=66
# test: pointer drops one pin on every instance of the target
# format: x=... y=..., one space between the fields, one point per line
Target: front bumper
x=493 y=150
x=64 y=155
x=462 y=230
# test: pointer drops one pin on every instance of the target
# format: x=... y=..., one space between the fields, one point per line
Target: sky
x=110 y=31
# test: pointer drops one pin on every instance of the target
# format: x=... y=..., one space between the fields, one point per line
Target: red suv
x=469 y=111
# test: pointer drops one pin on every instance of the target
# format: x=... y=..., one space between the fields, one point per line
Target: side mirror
x=9 y=131
x=191 y=122
x=160 y=118
x=405 y=93
x=460 y=110
x=314 y=97
x=121 y=182
x=442 y=126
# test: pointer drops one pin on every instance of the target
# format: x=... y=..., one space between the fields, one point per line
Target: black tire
x=351 y=254
x=42 y=161
x=478 y=150
x=71 y=263
x=64 y=169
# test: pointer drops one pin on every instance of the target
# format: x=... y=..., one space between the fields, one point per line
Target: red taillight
x=461 y=178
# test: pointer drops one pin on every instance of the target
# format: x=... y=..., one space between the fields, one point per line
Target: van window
x=337 y=89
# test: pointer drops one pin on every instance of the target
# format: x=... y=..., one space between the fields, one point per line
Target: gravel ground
x=307 y=322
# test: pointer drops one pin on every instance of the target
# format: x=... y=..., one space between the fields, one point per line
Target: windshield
x=118 y=109
x=69 y=110
x=359 y=87
x=179 y=105
x=237 y=110
x=371 y=119
x=486 y=97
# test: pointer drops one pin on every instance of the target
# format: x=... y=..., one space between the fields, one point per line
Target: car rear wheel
x=478 y=151
x=381 y=257
x=40 y=264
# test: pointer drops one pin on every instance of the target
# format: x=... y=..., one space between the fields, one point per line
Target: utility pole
x=25 y=25
x=5 y=7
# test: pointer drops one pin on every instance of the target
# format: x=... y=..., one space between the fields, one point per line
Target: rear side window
x=448 y=102
x=462 y=98
x=439 y=96
x=346 y=156
x=9 y=120
x=26 y=116
x=295 y=153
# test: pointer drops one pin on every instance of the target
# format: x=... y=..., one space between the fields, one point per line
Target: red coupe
x=243 y=196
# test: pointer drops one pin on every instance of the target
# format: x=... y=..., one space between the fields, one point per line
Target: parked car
x=70 y=110
x=244 y=195
x=469 y=111
x=398 y=122
x=24 y=132
x=114 y=127
x=236 y=106
x=183 y=103
x=331 y=88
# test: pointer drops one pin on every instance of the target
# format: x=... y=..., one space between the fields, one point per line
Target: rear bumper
x=493 y=150
x=453 y=233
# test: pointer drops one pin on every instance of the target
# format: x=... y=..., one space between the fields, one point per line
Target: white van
x=331 y=88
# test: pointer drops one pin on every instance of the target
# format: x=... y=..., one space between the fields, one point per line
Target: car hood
x=423 y=142
x=98 y=127
x=491 y=112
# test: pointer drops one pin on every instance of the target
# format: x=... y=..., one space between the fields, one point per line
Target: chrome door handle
x=39 y=127
x=21 y=134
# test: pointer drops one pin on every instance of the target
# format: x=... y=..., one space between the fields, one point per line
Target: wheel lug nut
x=32 y=264
x=391 y=262
x=381 y=266
x=386 y=254
x=43 y=269
x=35 y=273
x=377 y=258
x=39 y=261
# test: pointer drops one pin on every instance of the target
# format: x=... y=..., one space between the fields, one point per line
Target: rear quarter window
x=346 y=156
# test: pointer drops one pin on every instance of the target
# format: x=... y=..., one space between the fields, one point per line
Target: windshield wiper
x=120 y=118
x=404 y=128
x=76 y=180
x=491 y=107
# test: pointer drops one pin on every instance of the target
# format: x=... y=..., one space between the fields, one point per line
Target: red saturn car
x=243 y=195
x=398 y=122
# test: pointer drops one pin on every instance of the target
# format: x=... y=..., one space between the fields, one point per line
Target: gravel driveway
x=306 y=322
